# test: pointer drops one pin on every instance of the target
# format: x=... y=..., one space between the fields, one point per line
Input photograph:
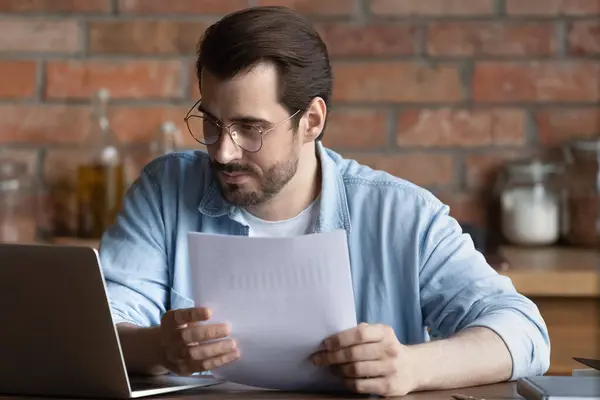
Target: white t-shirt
x=301 y=224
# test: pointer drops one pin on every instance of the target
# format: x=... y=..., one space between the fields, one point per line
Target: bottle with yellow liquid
x=100 y=181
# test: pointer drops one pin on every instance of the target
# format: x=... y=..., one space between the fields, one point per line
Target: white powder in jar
x=530 y=216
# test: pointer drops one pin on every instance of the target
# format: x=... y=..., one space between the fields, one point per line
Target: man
x=266 y=85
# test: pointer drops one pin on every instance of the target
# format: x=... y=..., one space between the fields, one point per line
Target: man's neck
x=297 y=195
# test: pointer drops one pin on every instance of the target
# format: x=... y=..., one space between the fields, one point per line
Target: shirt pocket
x=179 y=301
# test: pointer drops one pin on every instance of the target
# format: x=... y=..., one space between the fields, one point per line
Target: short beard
x=271 y=182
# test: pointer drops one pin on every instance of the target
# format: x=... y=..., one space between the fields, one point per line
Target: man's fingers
x=209 y=350
x=193 y=334
x=176 y=318
x=366 y=369
x=375 y=386
x=217 y=361
x=363 y=333
x=187 y=360
x=361 y=352
x=190 y=315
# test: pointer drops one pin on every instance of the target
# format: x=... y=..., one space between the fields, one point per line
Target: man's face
x=246 y=178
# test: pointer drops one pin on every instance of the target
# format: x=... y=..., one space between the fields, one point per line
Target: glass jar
x=582 y=196
x=530 y=202
x=18 y=203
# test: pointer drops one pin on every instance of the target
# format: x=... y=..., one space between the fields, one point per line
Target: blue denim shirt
x=412 y=267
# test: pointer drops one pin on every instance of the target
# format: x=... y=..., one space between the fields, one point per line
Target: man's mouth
x=234 y=177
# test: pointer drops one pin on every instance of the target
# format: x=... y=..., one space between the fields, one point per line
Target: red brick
x=145 y=37
x=396 y=82
x=193 y=88
x=180 y=6
x=537 y=81
x=356 y=129
x=461 y=127
x=553 y=7
x=584 y=38
x=482 y=168
x=39 y=35
x=466 y=207
x=315 y=7
x=48 y=124
x=420 y=168
x=490 y=38
x=555 y=126
x=54 y=6
x=343 y=39
x=125 y=79
x=139 y=124
x=19 y=79
x=446 y=8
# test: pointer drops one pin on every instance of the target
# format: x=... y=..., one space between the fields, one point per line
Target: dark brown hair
x=277 y=35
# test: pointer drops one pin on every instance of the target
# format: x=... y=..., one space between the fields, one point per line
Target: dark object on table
x=558 y=387
x=589 y=362
x=487 y=247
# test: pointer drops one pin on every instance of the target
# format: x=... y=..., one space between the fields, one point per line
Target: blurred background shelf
x=564 y=283
x=554 y=271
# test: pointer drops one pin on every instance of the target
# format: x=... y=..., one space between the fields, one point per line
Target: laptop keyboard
x=144 y=383
x=148 y=385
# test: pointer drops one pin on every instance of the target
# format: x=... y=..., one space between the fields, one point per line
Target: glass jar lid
x=585 y=144
x=533 y=167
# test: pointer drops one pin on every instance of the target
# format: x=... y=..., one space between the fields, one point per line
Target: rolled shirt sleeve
x=460 y=290
x=133 y=256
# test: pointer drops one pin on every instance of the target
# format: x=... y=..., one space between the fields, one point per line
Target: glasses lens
x=248 y=137
x=203 y=129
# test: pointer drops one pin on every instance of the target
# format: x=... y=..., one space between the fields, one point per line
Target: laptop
x=550 y=387
x=57 y=335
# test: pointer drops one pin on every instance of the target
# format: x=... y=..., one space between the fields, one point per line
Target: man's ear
x=315 y=117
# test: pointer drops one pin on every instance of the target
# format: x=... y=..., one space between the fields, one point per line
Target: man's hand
x=184 y=344
x=370 y=359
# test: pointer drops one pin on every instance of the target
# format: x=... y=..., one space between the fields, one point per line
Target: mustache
x=229 y=168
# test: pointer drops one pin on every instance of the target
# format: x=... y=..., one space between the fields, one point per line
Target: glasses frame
x=222 y=127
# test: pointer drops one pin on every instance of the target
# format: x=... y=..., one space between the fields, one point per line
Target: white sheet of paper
x=282 y=298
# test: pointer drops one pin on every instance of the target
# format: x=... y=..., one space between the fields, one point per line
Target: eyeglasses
x=205 y=130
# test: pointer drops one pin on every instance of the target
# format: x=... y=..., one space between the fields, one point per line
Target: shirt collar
x=333 y=213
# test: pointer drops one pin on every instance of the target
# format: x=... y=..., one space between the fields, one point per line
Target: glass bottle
x=166 y=141
x=530 y=202
x=18 y=203
x=582 y=196
x=100 y=181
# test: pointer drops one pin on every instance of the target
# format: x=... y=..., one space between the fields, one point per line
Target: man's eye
x=249 y=128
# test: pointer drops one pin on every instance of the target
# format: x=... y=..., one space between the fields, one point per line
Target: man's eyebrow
x=205 y=111
x=247 y=119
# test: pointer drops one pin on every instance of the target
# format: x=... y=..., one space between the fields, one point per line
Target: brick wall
x=439 y=92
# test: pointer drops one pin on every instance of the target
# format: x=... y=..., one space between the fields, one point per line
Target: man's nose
x=226 y=150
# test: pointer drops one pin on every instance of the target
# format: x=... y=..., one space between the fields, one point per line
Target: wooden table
x=233 y=392
x=565 y=285
x=228 y=391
